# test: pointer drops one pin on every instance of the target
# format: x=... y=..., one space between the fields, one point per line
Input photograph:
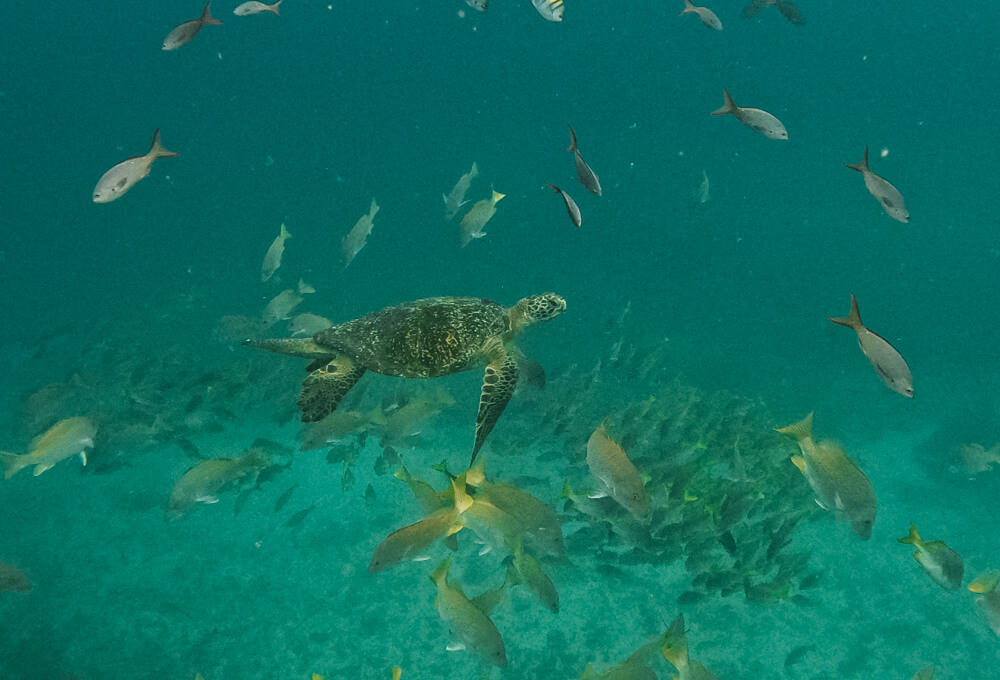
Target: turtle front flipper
x=326 y=386
x=499 y=381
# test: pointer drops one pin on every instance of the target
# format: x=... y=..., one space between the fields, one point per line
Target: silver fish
x=308 y=325
x=551 y=10
x=480 y=5
x=587 y=177
x=571 y=207
x=456 y=199
x=272 y=258
x=704 y=192
x=122 y=177
x=281 y=306
x=357 y=237
x=888 y=363
x=887 y=195
x=706 y=15
x=482 y=212
x=255 y=7
x=756 y=119
x=186 y=32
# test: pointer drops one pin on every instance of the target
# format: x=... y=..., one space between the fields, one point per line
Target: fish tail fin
x=157 y=150
x=675 y=644
x=863 y=165
x=206 y=16
x=285 y=234
x=474 y=171
x=853 y=319
x=496 y=197
x=275 y=6
x=913 y=538
x=688 y=7
x=554 y=188
x=12 y=463
x=728 y=107
x=799 y=431
x=440 y=574
x=476 y=474
x=572 y=140
x=463 y=501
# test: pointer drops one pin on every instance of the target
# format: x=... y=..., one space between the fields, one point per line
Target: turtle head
x=535 y=309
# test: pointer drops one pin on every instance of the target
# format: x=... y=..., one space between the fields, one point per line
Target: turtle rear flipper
x=499 y=381
x=326 y=386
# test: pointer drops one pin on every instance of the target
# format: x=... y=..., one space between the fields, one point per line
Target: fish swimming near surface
x=883 y=191
x=756 y=119
x=186 y=32
x=454 y=201
x=610 y=465
x=65 y=439
x=255 y=7
x=118 y=180
x=838 y=483
x=887 y=362
x=588 y=178
x=940 y=562
x=474 y=220
x=706 y=15
x=201 y=483
x=272 y=258
x=13 y=579
x=357 y=237
x=470 y=625
x=551 y=10
x=571 y=207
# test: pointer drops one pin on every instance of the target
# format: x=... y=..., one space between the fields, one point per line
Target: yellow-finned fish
x=467 y=622
x=201 y=483
x=256 y=7
x=941 y=563
x=357 y=237
x=427 y=498
x=530 y=572
x=185 y=33
x=707 y=16
x=887 y=362
x=119 y=179
x=272 y=258
x=454 y=201
x=477 y=217
x=584 y=173
x=65 y=439
x=611 y=466
x=986 y=585
x=757 y=120
x=675 y=650
x=837 y=482
x=412 y=541
x=551 y=10
x=882 y=190
x=397 y=672
x=494 y=527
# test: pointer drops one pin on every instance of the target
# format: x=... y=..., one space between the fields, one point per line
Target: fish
x=308 y=324
x=551 y=10
x=67 y=438
x=397 y=673
x=454 y=201
x=756 y=119
x=477 y=217
x=255 y=7
x=704 y=191
x=611 y=466
x=427 y=498
x=119 y=179
x=571 y=207
x=296 y=519
x=185 y=33
x=201 y=483
x=977 y=458
x=706 y=15
x=790 y=11
x=357 y=237
x=675 y=650
x=412 y=541
x=468 y=623
x=940 y=562
x=887 y=362
x=989 y=601
x=530 y=572
x=838 y=483
x=587 y=177
x=884 y=192
x=407 y=421
x=13 y=579
x=284 y=498
x=754 y=7
x=338 y=425
x=281 y=305
x=480 y=5
x=925 y=674
x=272 y=258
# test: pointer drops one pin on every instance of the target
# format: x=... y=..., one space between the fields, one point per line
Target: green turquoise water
x=127 y=313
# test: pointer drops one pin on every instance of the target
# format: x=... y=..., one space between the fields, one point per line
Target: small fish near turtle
x=426 y=338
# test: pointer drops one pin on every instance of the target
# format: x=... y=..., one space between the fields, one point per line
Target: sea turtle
x=421 y=339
